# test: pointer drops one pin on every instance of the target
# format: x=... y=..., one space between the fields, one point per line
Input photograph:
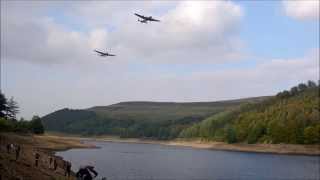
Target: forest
x=292 y=116
x=158 y=120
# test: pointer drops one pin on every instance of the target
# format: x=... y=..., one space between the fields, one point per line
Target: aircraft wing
x=111 y=55
x=154 y=20
x=100 y=52
x=140 y=16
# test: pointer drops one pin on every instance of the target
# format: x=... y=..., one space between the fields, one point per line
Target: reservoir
x=130 y=161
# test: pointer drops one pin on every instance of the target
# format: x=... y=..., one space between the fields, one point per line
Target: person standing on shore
x=50 y=162
x=2 y=141
x=37 y=158
x=17 y=149
x=8 y=148
x=55 y=164
x=67 y=166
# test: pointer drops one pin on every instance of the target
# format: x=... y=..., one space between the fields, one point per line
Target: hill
x=163 y=111
x=290 y=117
x=161 y=120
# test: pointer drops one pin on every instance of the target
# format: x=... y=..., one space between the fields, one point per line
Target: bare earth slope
x=24 y=168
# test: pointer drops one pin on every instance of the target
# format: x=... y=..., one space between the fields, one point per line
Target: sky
x=200 y=51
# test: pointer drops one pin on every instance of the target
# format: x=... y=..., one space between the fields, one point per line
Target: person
x=55 y=164
x=2 y=140
x=50 y=162
x=17 y=148
x=37 y=157
x=67 y=166
x=84 y=173
x=8 y=148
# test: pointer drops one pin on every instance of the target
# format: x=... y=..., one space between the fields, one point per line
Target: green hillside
x=163 y=111
x=161 y=120
x=290 y=117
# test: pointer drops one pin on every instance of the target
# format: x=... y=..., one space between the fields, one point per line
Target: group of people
x=14 y=148
x=84 y=172
x=53 y=163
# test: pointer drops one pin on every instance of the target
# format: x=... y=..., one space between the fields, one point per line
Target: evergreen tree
x=3 y=105
x=12 y=109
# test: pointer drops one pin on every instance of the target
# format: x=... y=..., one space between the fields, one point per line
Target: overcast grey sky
x=200 y=51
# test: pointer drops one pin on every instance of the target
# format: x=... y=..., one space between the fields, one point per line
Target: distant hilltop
x=158 y=103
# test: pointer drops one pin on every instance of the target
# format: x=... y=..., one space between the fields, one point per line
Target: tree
x=294 y=90
x=3 y=105
x=255 y=133
x=36 y=125
x=284 y=94
x=302 y=87
x=12 y=109
x=312 y=134
x=230 y=134
x=311 y=84
x=5 y=125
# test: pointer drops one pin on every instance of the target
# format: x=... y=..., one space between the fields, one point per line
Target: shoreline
x=45 y=146
x=286 y=149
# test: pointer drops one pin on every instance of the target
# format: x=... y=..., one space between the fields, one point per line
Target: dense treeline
x=9 y=123
x=158 y=120
x=90 y=123
x=289 y=117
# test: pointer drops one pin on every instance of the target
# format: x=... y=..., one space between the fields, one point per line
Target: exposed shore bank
x=294 y=149
x=313 y=150
x=24 y=167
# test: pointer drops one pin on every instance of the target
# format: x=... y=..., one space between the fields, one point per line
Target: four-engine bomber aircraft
x=145 y=19
x=104 y=54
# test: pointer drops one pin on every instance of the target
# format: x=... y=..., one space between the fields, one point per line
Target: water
x=120 y=161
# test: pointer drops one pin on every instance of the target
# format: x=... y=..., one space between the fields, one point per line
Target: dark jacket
x=84 y=173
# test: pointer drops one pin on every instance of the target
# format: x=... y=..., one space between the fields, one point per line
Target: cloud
x=189 y=32
x=43 y=91
x=41 y=40
x=192 y=32
x=302 y=9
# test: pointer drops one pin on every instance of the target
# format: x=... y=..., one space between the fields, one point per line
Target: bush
x=5 y=125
